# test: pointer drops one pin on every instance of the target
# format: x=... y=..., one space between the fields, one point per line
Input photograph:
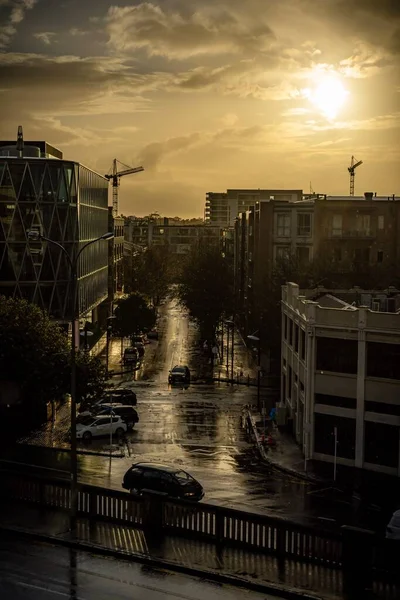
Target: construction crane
x=351 y=169
x=114 y=175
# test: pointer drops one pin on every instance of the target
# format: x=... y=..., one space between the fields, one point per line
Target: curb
x=273 y=464
x=211 y=575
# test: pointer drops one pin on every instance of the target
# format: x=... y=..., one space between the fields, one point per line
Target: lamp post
x=255 y=338
x=109 y=334
x=230 y=324
x=73 y=265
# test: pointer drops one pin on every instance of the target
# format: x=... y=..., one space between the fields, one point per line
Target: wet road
x=37 y=571
x=197 y=429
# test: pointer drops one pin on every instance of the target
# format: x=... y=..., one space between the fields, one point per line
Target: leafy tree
x=35 y=353
x=206 y=288
x=150 y=275
x=133 y=315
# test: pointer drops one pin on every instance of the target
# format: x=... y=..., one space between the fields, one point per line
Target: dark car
x=120 y=395
x=140 y=348
x=131 y=355
x=162 y=480
x=127 y=413
x=179 y=374
x=152 y=335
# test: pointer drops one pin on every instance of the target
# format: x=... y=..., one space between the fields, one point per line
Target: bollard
x=357 y=558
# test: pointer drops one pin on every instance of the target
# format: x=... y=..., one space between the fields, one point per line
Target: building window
x=361 y=255
x=285 y=326
x=381 y=444
x=339 y=401
x=383 y=360
x=337 y=355
x=337 y=254
x=282 y=252
x=283 y=225
x=302 y=344
x=296 y=338
x=303 y=224
x=290 y=333
x=379 y=256
x=363 y=224
x=381 y=222
x=324 y=435
x=337 y=225
x=303 y=254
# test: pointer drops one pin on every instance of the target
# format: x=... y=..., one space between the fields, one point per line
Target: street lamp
x=35 y=236
x=231 y=324
x=255 y=338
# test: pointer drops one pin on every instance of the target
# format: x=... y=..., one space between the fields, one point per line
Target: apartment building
x=178 y=237
x=340 y=379
x=359 y=230
x=222 y=208
x=270 y=230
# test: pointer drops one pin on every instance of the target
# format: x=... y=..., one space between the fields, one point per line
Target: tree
x=150 y=273
x=206 y=288
x=133 y=315
x=35 y=354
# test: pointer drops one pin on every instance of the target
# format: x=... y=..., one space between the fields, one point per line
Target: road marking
x=44 y=589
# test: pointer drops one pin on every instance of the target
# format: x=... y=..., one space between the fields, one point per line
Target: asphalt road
x=197 y=429
x=38 y=571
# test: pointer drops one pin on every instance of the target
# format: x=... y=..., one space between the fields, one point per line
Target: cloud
x=174 y=34
x=75 y=31
x=15 y=15
x=45 y=36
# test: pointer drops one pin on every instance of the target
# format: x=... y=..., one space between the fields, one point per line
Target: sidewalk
x=287 y=579
x=278 y=448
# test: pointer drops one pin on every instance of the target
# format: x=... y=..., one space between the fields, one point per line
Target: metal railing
x=353 y=550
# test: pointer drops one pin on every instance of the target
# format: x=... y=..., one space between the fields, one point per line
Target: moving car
x=179 y=374
x=152 y=335
x=127 y=413
x=96 y=426
x=393 y=527
x=131 y=355
x=162 y=480
x=120 y=395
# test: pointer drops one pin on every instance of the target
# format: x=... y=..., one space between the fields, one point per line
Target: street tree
x=35 y=357
x=150 y=274
x=133 y=315
x=206 y=288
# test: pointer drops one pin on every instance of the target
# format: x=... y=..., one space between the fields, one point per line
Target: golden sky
x=208 y=95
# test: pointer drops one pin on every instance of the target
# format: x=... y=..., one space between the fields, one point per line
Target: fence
x=357 y=551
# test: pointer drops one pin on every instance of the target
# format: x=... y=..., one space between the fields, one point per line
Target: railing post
x=153 y=515
x=357 y=559
x=219 y=527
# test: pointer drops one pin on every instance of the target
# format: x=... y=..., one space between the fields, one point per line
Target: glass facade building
x=67 y=203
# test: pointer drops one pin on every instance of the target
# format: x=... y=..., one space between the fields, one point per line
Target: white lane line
x=48 y=590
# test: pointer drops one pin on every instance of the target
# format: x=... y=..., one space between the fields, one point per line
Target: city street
x=38 y=571
x=198 y=429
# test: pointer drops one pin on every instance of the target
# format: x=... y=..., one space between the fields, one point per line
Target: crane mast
x=114 y=176
x=351 y=169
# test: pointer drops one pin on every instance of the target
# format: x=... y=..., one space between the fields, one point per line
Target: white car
x=89 y=427
x=393 y=527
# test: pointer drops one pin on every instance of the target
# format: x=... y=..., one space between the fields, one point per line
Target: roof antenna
x=20 y=142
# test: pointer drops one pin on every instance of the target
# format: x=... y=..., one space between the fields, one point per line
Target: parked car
x=152 y=335
x=131 y=355
x=140 y=348
x=393 y=527
x=97 y=426
x=162 y=480
x=179 y=374
x=139 y=338
x=127 y=413
x=121 y=395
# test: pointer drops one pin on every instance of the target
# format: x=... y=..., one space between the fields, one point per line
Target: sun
x=328 y=95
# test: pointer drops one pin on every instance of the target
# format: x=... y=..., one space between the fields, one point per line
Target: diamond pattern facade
x=67 y=203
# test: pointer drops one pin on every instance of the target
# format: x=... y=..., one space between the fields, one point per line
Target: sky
x=208 y=95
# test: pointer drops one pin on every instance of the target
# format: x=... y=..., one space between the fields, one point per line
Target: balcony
x=349 y=234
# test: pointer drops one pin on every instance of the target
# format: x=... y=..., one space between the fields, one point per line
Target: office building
x=340 y=377
x=64 y=201
x=223 y=208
